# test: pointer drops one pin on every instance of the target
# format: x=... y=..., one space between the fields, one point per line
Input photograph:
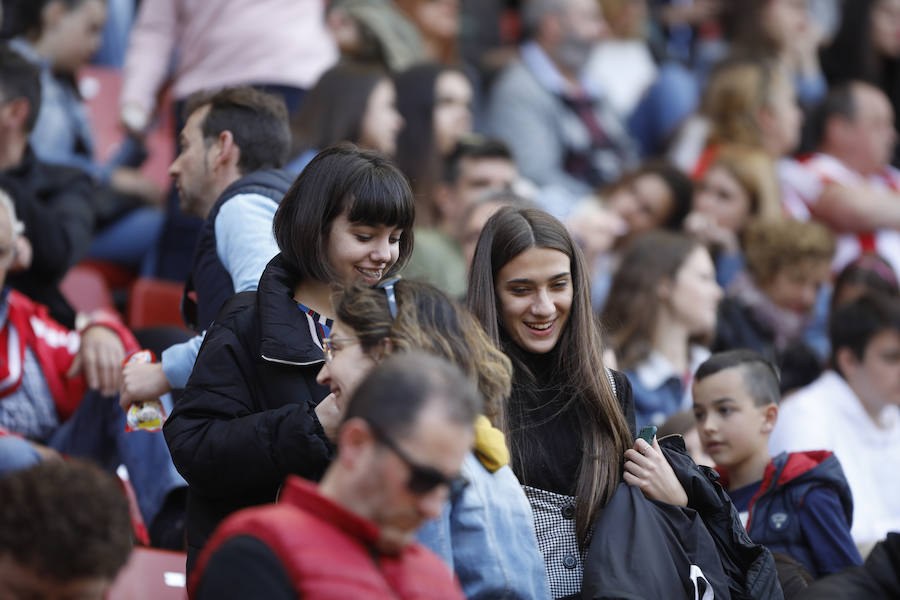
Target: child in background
x=683 y=423
x=798 y=503
x=771 y=306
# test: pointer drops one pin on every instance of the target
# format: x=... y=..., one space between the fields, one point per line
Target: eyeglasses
x=331 y=346
x=388 y=286
x=422 y=479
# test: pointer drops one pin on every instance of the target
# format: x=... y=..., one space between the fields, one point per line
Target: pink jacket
x=219 y=43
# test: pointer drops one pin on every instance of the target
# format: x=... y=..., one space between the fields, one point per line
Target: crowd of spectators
x=442 y=261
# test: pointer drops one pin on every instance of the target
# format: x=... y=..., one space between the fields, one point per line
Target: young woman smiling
x=568 y=420
x=252 y=411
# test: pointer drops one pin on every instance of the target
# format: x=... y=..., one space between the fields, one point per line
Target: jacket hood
x=816 y=467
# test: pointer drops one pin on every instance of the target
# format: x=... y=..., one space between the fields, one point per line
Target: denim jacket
x=486 y=535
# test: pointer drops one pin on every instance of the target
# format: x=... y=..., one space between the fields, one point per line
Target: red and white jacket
x=54 y=347
x=803 y=182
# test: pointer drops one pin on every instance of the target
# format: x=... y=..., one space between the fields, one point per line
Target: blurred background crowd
x=727 y=168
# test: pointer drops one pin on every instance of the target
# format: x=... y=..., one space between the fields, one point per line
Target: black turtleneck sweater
x=544 y=422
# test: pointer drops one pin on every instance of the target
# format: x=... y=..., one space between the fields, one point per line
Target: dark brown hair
x=632 y=307
x=604 y=435
x=333 y=110
x=364 y=184
x=65 y=520
x=417 y=152
x=258 y=122
x=392 y=396
x=20 y=79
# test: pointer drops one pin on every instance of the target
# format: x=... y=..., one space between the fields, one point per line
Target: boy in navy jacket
x=796 y=503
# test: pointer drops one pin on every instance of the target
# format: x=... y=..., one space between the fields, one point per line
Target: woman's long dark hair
x=852 y=54
x=603 y=434
x=742 y=21
x=334 y=108
x=417 y=153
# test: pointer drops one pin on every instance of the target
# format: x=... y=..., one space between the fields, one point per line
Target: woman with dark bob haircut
x=569 y=421
x=252 y=411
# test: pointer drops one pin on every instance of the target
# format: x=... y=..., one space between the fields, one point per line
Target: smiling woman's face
x=535 y=293
x=361 y=252
x=348 y=365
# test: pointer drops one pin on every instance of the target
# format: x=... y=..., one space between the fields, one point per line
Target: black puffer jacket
x=246 y=418
x=628 y=558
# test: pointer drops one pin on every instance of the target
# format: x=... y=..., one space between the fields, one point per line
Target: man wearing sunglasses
x=401 y=445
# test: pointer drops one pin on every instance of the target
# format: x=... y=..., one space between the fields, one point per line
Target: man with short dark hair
x=233 y=146
x=400 y=448
x=477 y=166
x=65 y=532
x=854 y=411
x=54 y=202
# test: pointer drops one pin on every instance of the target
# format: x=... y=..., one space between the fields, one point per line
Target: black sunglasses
x=388 y=286
x=422 y=479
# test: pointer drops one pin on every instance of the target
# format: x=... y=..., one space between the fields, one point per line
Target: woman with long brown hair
x=662 y=301
x=568 y=420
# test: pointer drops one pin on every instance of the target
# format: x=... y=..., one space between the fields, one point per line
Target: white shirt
x=803 y=182
x=827 y=415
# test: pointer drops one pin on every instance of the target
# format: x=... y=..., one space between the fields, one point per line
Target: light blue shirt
x=245 y=245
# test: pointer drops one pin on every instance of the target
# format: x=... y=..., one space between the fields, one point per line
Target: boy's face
x=796 y=287
x=732 y=428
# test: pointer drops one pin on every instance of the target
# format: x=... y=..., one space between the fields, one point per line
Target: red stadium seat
x=154 y=302
x=101 y=86
x=86 y=290
x=151 y=574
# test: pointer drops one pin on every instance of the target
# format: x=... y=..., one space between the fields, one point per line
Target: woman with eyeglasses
x=485 y=532
x=569 y=421
x=252 y=411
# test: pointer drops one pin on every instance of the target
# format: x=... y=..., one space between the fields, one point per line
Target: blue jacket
x=804 y=509
x=486 y=535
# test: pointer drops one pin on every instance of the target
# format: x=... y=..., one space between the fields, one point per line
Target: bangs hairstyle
x=429 y=321
x=604 y=433
x=363 y=184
